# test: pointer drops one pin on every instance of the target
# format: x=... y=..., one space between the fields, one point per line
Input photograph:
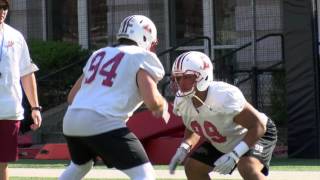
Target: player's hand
x=226 y=163
x=178 y=158
x=164 y=114
x=37 y=120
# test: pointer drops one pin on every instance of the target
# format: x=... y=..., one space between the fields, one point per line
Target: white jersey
x=109 y=85
x=214 y=119
x=15 y=62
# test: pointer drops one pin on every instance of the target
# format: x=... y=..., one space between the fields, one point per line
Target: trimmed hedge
x=60 y=65
x=51 y=56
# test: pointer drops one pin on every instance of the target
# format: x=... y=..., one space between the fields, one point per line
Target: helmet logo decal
x=205 y=66
x=147 y=28
x=126 y=24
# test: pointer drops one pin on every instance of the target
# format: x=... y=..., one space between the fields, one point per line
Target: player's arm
x=190 y=139
x=149 y=92
x=252 y=120
x=255 y=122
x=75 y=88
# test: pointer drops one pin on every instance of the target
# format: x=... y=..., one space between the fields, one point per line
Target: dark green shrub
x=54 y=55
x=60 y=65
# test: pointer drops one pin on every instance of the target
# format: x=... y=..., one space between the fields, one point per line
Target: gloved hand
x=180 y=155
x=226 y=163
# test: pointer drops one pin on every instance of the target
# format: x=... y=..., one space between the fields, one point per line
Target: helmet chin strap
x=188 y=94
x=202 y=102
x=191 y=94
x=197 y=98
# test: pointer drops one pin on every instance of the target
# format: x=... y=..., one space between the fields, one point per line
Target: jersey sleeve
x=153 y=66
x=26 y=65
x=232 y=100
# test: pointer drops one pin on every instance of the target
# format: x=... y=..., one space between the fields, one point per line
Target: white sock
x=76 y=172
x=142 y=172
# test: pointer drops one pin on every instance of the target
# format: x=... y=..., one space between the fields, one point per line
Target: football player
x=235 y=134
x=115 y=82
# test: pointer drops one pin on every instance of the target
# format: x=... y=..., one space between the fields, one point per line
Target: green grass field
x=277 y=164
x=281 y=164
x=34 y=178
x=284 y=164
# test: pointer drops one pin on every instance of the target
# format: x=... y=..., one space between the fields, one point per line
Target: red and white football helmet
x=139 y=29
x=192 y=63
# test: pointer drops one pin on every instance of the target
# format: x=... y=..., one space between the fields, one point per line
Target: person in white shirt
x=115 y=82
x=234 y=133
x=16 y=69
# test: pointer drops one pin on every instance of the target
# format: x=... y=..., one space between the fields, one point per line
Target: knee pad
x=141 y=172
x=76 y=172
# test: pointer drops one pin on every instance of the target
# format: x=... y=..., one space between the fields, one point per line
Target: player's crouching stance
x=115 y=82
x=235 y=133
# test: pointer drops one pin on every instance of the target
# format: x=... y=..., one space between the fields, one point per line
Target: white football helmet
x=193 y=63
x=139 y=29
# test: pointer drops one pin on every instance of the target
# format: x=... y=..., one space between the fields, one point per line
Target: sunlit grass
x=277 y=164
x=284 y=164
x=47 y=178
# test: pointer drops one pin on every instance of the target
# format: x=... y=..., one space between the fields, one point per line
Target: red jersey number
x=94 y=66
x=210 y=130
x=109 y=75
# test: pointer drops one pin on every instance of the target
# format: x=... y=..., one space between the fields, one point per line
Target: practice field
x=281 y=169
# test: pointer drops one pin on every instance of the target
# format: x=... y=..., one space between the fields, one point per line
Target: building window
x=225 y=26
x=62 y=18
x=186 y=20
x=97 y=13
